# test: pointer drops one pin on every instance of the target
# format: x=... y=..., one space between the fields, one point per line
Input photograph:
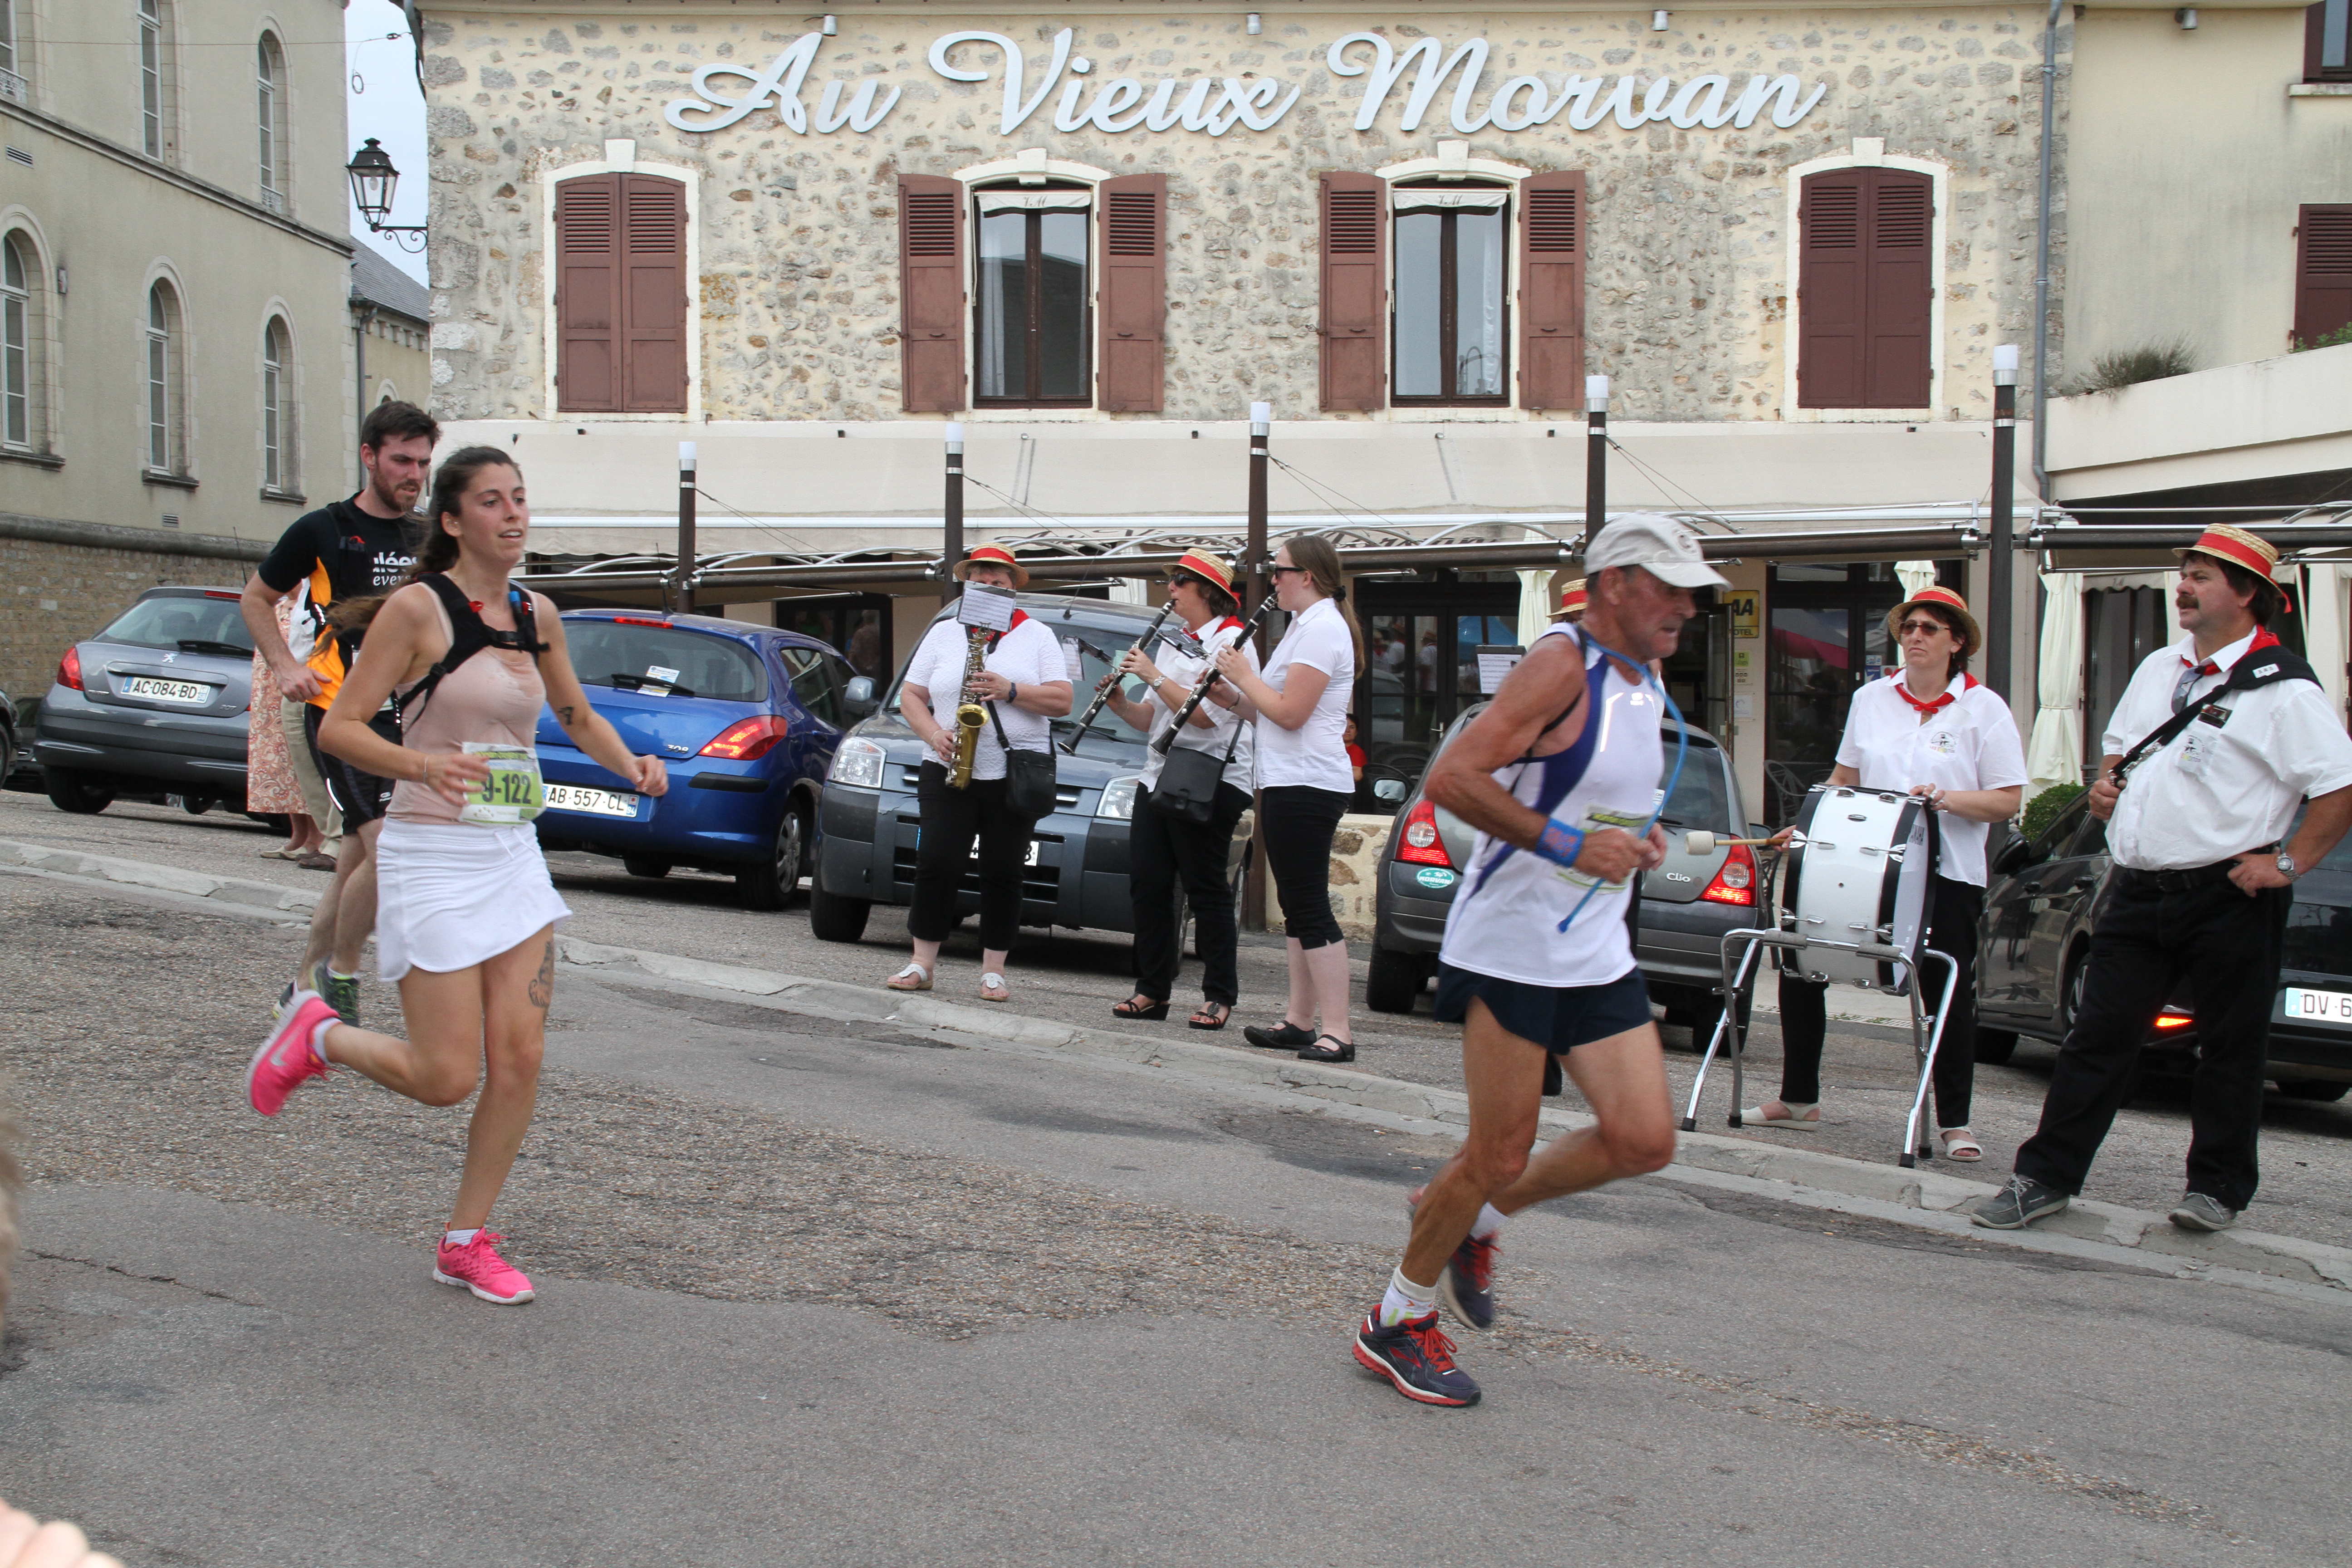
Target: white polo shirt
x=1970 y=742
x=1315 y=754
x=2219 y=790
x=1027 y=654
x=1183 y=671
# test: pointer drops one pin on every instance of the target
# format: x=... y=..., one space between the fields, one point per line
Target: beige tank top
x=494 y=697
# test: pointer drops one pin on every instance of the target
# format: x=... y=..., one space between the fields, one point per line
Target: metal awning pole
x=1596 y=456
x=951 y=514
x=686 y=546
x=2002 y=592
x=1261 y=424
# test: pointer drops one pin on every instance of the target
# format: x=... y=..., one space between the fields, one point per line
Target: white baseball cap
x=1658 y=545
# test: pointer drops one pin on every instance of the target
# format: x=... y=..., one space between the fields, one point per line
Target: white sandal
x=1793 y=1117
x=1959 y=1144
x=992 y=981
x=914 y=977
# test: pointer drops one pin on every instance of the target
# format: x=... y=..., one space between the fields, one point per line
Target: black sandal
x=1284 y=1036
x=1149 y=1013
x=1214 y=1013
x=1339 y=1050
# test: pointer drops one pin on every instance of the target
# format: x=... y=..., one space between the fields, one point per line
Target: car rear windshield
x=1702 y=798
x=187 y=622
x=663 y=660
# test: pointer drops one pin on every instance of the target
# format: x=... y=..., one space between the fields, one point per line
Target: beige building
x=176 y=381
x=392 y=357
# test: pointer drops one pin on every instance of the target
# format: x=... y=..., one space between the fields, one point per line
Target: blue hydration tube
x=1682 y=750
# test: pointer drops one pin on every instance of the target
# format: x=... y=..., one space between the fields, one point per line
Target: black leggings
x=1162 y=851
x=1804 y=1010
x=1299 y=823
x=950 y=819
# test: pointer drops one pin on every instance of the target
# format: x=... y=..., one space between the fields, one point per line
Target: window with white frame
x=156 y=96
x=1451 y=319
x=271 y=120
x=21 y=402
x=12 y=60
x=1032 y=296
x=166 y=449
x=276 y=408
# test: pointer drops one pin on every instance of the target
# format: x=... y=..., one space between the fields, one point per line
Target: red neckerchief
x=1220 y=626
x=1924 y=709
x=1009 y=627
x=2263 y=640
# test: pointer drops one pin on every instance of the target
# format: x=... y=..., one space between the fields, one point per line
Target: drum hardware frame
x=1927 y=1029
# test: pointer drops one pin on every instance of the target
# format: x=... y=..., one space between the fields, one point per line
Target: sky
x=385 y=104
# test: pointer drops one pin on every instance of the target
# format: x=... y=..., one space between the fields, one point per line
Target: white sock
x=319 y=1038
x=1490 y=1220
x=1406 y=1299
x=459 y=1237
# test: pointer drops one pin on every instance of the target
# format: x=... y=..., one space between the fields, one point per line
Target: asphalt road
x=1075 y=976
x=817 y=1293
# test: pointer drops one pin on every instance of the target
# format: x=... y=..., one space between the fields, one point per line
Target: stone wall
x=1689 y=296
x=53 y=596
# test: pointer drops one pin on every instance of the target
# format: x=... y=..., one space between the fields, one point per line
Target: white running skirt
x=450 y=895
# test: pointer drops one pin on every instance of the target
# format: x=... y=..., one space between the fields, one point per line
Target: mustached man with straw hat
x=2217 y=740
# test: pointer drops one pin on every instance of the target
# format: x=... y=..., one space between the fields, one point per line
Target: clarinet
x=1210 y=676
x=1111 y=684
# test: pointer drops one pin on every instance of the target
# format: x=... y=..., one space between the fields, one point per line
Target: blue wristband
x=1560 y=844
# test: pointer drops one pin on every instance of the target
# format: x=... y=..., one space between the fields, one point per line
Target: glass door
x=1421 y=667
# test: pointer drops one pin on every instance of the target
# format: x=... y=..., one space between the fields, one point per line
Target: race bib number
x=1597 y=817
x=512 y=795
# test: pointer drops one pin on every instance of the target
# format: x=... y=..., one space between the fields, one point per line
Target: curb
x=2251 y=1252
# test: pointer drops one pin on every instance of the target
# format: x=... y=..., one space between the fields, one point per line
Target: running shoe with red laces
x=1416 y=1357
x=1467 y=1284
x=288 y=1058
x=477 y=1267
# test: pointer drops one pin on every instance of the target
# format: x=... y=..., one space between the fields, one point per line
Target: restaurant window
x=2328 y=41
x=1032 y=306
x=1450 y=324
x=620 y=294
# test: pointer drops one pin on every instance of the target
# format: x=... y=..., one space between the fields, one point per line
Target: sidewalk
x=1921 y=1196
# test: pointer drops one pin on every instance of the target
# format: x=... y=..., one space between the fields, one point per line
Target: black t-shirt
x=338 y=552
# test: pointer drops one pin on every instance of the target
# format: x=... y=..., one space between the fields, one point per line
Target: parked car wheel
x=832 y=917
x=1995 y=1047
x=1394 y=981
x=2317 y=1089
x=644 y=866
x=2070 y=991
x=71 y=791
x=774 y=883
x=197 y=805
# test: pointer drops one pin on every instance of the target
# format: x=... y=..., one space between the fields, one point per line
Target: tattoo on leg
x=543 y=984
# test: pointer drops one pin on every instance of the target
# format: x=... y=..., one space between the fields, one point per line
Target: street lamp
x=372 y=181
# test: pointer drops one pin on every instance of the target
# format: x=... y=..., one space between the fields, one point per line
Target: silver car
x=154 y=705
x=1686 y=904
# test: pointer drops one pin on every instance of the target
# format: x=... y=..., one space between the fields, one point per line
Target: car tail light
x=638 y=621
x=1735 y=883
x=70 y=669
x=222 y=594
x=1419 y=842
x=2174 y=1018
x=746 y=739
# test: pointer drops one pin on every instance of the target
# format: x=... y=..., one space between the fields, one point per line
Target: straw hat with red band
x=2239 y=548
x=991 y=555
x=1571 y=601
x=1971 y=635
x=1207 y=568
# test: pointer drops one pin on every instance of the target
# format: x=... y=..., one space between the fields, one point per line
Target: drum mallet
x=1701 y=842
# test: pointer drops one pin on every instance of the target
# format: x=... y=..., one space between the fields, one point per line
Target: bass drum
x=1859 y=871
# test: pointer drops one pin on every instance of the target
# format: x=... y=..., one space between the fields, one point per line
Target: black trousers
x=2144 y=942
x=1162 y=851
x=1952 y=910
x=951 y=818
x=1300 y=821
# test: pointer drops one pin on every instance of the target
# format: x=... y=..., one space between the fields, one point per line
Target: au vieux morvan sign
x=1212 y=106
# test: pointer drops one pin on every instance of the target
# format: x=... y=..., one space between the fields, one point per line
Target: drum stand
x=1927 y=1029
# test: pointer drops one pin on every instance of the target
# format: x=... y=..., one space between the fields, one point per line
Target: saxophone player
x=1022 y=678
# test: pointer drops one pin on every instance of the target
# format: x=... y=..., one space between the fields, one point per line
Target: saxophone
x=970 y=715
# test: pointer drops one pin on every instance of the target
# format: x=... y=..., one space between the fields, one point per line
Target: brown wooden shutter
x=587 y=294
x=1865 y=283
x=2323 y=271
x=1355 y=291
x=1130 y=367
x=930 y=293
x=1551 y=290
x=653 y=298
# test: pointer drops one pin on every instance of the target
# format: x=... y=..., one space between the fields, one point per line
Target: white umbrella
x=2054 y=753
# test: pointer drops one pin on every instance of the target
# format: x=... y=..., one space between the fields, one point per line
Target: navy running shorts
x=360 y=796
x=1557 y=1017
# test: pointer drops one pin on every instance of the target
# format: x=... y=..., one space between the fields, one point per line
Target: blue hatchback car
x=746 y=717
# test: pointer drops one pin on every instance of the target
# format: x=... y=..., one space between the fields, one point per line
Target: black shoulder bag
x=1030 y=789
x=1187 y=787
x=2261 y=666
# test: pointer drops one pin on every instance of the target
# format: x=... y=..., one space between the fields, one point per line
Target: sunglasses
x=1278 y=570
x=1925 y=628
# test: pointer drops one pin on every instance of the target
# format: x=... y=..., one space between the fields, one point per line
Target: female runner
x=1934 y=729
x=1161 y=848
x=466 y=914
x=1300 y=708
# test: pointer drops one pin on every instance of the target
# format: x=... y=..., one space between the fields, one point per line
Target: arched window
x=1035 y=296
x=22 y=405
x=158 y=92
x=271 y=122
x=276 y=408
x=167 y=407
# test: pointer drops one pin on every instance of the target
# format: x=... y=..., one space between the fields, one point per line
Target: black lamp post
x=374 y=180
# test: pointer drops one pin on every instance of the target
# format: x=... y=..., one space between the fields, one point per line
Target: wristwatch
x=2286 y=865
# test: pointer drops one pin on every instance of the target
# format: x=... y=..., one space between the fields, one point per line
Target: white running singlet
x=1505 y=922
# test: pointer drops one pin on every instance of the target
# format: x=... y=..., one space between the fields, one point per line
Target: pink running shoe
x=287 y=1056
x=477 y=1267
